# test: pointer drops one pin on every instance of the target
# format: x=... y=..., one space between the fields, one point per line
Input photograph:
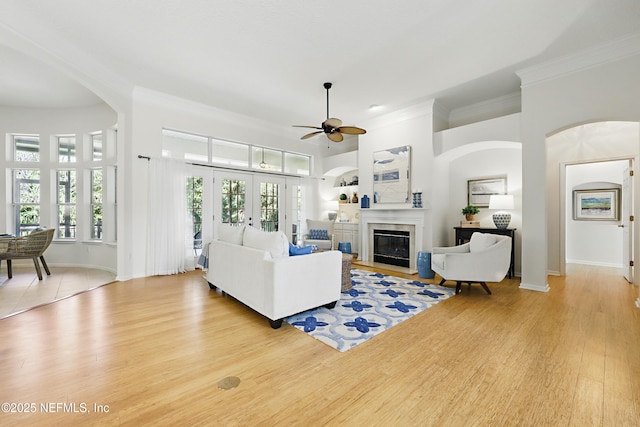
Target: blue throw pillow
x=318 y=234
x=296 y=250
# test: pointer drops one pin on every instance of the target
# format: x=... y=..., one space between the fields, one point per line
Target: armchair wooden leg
x=35 y=262
x=486 y=288
x=44 y=264
x=442 y=282
x=458 y=286
x=9 y=269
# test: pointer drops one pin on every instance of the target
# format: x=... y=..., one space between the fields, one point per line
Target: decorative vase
x=470 y=217
x=354 y=199
x=424 y=265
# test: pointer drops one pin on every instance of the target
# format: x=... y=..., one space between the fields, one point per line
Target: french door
x=258 y=200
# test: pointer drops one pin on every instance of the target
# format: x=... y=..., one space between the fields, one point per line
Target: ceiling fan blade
x=333 y=122
x=309 y=135
x=351 y=130
x=310 y=127
x=335 y=136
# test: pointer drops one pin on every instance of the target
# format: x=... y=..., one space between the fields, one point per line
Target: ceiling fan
x=332 y=127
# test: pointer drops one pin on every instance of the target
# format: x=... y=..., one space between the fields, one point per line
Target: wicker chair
x=31 y=246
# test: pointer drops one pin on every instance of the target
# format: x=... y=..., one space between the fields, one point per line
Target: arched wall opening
x=580 y=157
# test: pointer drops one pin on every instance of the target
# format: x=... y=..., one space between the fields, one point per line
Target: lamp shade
x=502 y=201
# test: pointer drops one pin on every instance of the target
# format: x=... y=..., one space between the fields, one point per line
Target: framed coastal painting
x=480 y=190
x=596 y=205
x=392 y=175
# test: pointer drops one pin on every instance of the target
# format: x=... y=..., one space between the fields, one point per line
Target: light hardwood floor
x=24 y=291
x=151 y=352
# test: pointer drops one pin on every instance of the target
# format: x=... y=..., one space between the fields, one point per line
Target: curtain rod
x=140 y=156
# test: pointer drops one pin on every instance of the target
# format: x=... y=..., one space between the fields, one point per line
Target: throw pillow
x=481 y=241
x=318 y=234
x=275 y=242
x=231 y=233
x=321 y=225
x=299 y=250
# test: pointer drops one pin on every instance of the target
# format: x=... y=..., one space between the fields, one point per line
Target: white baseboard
x=594 y=263
x=537 y=288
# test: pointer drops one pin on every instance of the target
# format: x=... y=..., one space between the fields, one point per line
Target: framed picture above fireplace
x=392 y=175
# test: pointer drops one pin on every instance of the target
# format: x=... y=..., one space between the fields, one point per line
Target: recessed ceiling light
x=374 y=107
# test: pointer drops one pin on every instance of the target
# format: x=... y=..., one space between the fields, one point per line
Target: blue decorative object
x=375 y=303
x=344 y=247
x=417 y=200
x=424 y=265
x=365 y=202
x=318 y=234
x=299 y=250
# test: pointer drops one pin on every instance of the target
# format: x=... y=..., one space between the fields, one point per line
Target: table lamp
x=501 y=203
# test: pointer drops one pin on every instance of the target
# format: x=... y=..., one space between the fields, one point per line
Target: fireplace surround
x=405 y=220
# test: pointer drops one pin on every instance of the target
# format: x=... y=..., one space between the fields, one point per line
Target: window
x=26 y=200
x=96 y=204
x=194 y=206
x=233 y=201
x=230 y=154
x=297 y=164
x=67 y=204
x=266 y=159
x=66 y=149
x=180 y=145
x=26 y=148
x=96 y=146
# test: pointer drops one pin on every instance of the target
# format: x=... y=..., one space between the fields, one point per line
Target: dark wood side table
x=463 y=235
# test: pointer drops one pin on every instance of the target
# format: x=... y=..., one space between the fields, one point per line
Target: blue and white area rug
x=374 y=304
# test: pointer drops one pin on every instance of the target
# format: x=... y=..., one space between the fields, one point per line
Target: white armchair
x=485 y=258
x=320 y=234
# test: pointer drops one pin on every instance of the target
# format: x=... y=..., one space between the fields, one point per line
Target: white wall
x=414 y=127
x=608 y=91
x=593 y=242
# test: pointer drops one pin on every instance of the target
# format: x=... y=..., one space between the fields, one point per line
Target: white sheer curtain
x=169 y=225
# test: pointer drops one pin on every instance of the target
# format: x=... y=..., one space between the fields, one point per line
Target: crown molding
x=589 y=58
x=486 y=110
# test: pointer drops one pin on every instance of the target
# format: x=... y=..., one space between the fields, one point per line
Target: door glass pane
x=233 y=201
x=269 y=207
x=194 y=206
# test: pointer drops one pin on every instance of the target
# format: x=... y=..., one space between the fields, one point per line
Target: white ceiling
x=268 y=59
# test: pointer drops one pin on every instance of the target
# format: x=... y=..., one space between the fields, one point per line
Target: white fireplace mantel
x=408 y=216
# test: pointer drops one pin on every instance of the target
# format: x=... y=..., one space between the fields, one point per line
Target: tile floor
x=24 y=291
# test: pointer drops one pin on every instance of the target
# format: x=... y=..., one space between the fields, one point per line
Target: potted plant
x=343 y=198
x=470 y=212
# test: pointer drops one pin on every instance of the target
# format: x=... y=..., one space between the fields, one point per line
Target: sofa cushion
x=231 y=233
x=481 y=241
x=320 y=225
x=275 y=242
x=318 y=234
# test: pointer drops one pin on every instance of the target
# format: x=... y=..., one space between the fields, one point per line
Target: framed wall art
x=392 y=175
x=480 y=190
x=596 y=205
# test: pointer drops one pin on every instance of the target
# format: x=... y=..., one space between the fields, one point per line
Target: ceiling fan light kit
x=332 y=127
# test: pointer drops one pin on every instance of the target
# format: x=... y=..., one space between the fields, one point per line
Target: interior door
x=627 y=225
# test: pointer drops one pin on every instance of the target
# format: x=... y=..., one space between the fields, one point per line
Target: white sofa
x=255 y=268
